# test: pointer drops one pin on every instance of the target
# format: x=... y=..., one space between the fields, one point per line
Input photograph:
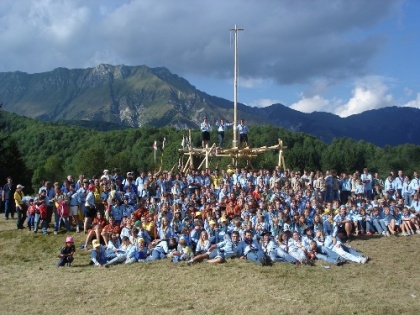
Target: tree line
x=32 y=150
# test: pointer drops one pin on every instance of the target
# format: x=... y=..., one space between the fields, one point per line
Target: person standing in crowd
x=367 y=180
x=345 y=188
x=20 y=207
x=221 y=128
x=205 y=132
x=49 y=195
x=399 y=182
x=243 y=133
x=415 y=183
x=7 y=197
x=390 y=186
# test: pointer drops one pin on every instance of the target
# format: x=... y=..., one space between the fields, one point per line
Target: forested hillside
x=52 y=151
x=117 y=97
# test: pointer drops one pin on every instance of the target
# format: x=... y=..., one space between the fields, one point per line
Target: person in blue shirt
x=98 y=254
x=127 y=208
x=297 y=248
x=243 y=133
x=205 y=250
x=389 y=221
x=117 y=211
x=124 y=253
x=323 y=249
x=252 y=250
x=7 y=197
x=158 y=249
x=268 y=246
x=378 y=222
x=367 y=181
x=73 y=199
x=343 y=224
x=281 y=253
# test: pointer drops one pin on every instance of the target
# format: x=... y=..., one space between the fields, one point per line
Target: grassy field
x=31 y=284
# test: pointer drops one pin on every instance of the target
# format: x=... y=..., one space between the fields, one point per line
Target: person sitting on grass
x=202 y=248
x=98 y=225
x=112 y=245
x=343 y=224
x=185 y=251
x=158 y=249
x=322 y=249
x=124 y=253
x=66 y=253
x=224 y=249
x=406 y=222
x=98 y=254
x=111 y=228
x=378 y=222
x=268 y=246
x=348 y=253
x=389 y=221
x=141 y=251
x=297 y=248
x=281 y=252
x=252 y=250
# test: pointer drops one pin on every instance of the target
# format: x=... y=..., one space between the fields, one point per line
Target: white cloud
x=264 y=102
x=369 y=93
x=414 y=103
x=311 y=104
x=250 y=83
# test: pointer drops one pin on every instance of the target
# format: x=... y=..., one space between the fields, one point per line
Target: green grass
x=30 y=283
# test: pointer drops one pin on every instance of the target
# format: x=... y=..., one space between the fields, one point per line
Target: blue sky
x=338 y=56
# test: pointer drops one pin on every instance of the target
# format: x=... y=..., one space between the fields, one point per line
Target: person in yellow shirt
x=20 y=207
x=217 y=182
x=230 y=170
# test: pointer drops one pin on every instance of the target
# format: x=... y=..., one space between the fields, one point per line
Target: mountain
x=121 y=96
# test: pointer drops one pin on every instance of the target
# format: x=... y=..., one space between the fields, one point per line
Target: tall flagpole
x=235 y=88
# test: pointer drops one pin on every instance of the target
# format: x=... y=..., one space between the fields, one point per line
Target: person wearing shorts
x=205 y=132
x=74 y=205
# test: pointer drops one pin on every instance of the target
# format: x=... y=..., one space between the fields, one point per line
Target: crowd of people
x=263 y=216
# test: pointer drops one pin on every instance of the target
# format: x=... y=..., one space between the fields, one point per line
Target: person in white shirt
x=243 y=133
x=205 y=132
x=221 y=128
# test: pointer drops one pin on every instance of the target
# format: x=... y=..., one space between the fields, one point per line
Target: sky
x=338 y=56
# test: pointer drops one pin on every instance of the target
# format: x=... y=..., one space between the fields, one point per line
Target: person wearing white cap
x=20 y=207
x=106 y=175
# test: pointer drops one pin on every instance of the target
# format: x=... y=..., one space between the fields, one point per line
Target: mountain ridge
x=138 y=96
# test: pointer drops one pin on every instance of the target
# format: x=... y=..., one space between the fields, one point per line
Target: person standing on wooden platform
x=205 y=132
x=243 y=133
x=221 y=128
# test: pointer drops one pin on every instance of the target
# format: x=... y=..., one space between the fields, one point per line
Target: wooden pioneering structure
x=235 y=152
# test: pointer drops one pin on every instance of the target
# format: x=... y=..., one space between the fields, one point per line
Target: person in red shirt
x=109 y=229
x=31 y=214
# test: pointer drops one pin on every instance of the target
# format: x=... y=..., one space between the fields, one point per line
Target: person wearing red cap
x=66 y=254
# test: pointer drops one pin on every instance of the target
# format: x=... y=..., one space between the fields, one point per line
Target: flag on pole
x=163 y=144
x=183 y=142
x=155 y=145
